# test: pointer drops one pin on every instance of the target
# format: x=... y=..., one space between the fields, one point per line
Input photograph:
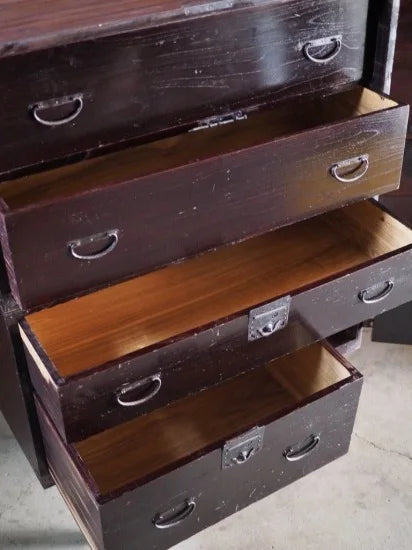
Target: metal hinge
x=241 y=449
x=222 y=120
x=268 y=319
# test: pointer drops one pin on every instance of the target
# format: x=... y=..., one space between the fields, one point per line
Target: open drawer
x=158 y=479
x=107 y=72
x=107 y=357
x=83 y=226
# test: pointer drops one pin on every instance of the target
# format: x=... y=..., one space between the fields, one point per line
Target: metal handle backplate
x=336 y=41
x=297 y=452
x=154 y=382
x=112 y=236
x=162 y=521
x=76 y=100
x=242 y=448
x=358 y=165
x=363 y=294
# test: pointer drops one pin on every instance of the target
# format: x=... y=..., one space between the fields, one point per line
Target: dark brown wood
x=166 y=76
x=127 y=510
x=402 y=87
x=83 y=401
x=384 y=23
x=395 y=325
x=16 y=401
x=200 y=190
x=27 y=26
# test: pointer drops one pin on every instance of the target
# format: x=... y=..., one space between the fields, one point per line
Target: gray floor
x=361 y=502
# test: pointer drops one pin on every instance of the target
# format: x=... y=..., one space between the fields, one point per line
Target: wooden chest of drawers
x=183 y=222
x=110 y=74
x=162 y=477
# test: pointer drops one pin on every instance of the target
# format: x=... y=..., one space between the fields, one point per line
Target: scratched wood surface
x=184 y=149
x=142 y=83
x=27 y=24
x=246 y=178
x=108 y=324
x=394 y=326
x=120 y=517
x=200 y=421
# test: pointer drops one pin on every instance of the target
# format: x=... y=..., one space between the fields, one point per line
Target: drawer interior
x=170 y=153
x=106 y=325
x=192 y=426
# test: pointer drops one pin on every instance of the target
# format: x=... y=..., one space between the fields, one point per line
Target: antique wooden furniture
x=186 y=216
x=95 y=73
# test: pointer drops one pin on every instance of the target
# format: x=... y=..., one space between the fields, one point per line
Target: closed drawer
x=92 y=223
x=178 y=67
x=159 y=479
x=117 y=353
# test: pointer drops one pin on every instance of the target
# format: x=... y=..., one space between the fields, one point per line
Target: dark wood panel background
x=395 y=326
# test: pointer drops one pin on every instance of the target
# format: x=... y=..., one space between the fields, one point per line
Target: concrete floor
x=363 y=501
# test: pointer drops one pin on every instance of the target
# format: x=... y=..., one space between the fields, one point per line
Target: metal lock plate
x=268 y=319
x=241 y=449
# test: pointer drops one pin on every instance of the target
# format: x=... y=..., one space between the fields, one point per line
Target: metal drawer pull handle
x=77 y=101
x=363 y=165
x=113 y=235
x=308 y=446
x=270 y=328
x=336 y=40
x=389 y=285
x=244 y=456
x=154 y=381
x=161 y=523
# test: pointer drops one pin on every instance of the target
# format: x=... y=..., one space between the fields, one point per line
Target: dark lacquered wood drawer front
x=156 y=480
x=81 y=96
x=80 y=227
x=118 y=353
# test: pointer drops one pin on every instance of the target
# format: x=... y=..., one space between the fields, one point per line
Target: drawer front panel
x=217 y=492
x=88 y=404
x=245 y=193
x=134 y=84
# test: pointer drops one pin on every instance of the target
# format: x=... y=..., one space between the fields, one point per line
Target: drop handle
x=298 y=452
x=244 y=456
x=153 y=383
x=363 y=294
x=164 y=521
x=76 y=100
x=335 y=41
x=357 y=166
x=111 y=236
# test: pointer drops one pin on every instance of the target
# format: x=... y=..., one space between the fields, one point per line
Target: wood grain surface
x=150 y=81
x=138 y=448
x=189 y=148
x=27 y=25
x=119 y=519
x=106 y=325
x=201 y=190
